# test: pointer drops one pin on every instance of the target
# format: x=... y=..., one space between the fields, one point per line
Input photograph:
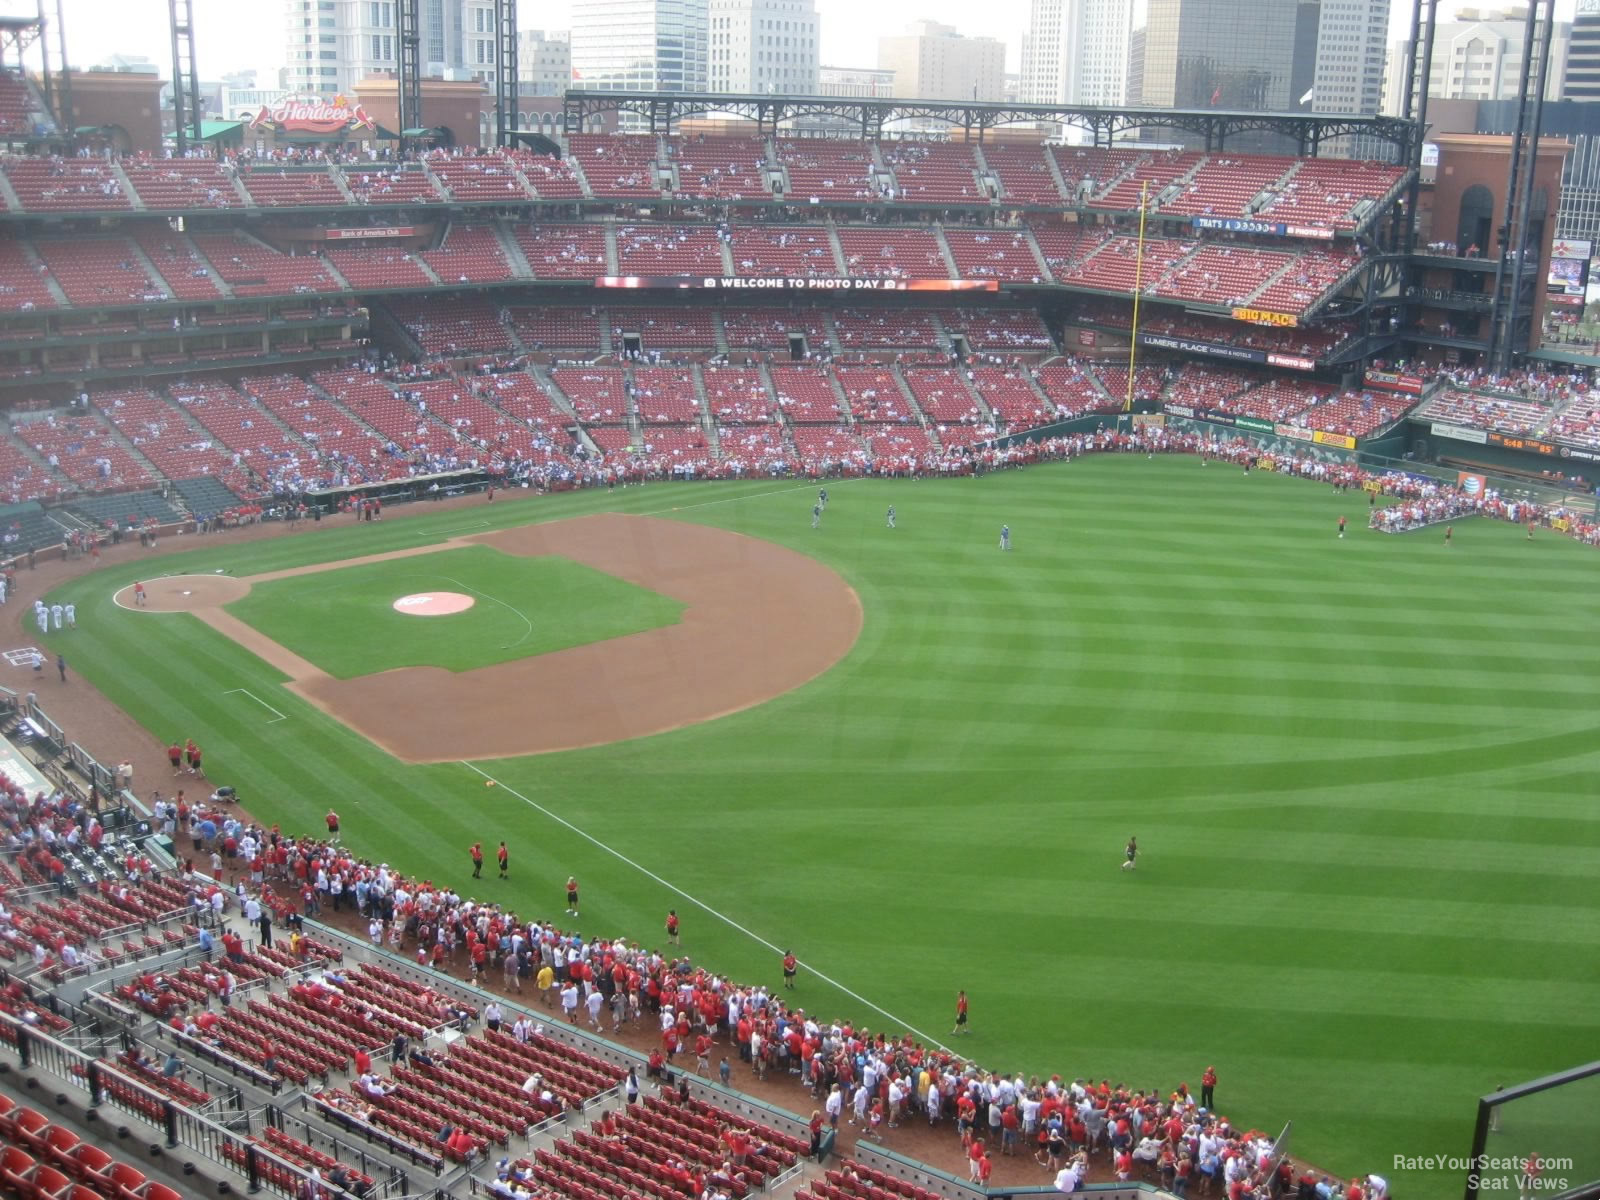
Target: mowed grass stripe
x=1357 y=768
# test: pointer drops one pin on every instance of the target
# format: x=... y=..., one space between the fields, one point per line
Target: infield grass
x=345 y=621
x=1363 y=774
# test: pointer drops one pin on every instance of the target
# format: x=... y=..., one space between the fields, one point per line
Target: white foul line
x=260 y=701
x=701 y=904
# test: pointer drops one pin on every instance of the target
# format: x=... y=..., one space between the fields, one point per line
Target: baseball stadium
x=847 y=649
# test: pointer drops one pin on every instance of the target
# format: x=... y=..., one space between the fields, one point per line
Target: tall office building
x=1076 y=52
x=1352 y=37
x=1243 y=55
x=1582 y=80
x=768 y=47
x=331 y=45
x=931 y=61
x=640 y=45
x=544 y=62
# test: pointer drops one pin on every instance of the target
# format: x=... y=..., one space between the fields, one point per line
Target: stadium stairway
x=1329 y=292
x=343 y=185
x=703 y=404
x=1033 y=385
x=338 y=276
x=9 y=194
x=1055 y=173
x=1038 y=253
x=1272 y=279
x=908 y=395
x=950 y=267
x=188 y=244
x=842 y=270
x=611 y=259
x=31 y=256
x=128 y=190
x=121 y=439
x=520 y=266
x=720 y=333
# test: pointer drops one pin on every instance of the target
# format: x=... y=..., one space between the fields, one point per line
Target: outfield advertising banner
x=1163 y=341
x=1341 y=440
x=1292 y=431
x=791 y=283
x=1569 y=268
x=376 y=231
x=1472 y=485
x=1461 y=433
x=1263 y=228
x=1293 y=361
x=1263 y=316
x=1393 y=381
x=1254 y=424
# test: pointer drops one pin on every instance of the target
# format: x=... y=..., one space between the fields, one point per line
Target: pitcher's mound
x=433 y=604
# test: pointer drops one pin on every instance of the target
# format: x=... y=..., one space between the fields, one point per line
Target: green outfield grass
x=1362 y=773
x=345 y=622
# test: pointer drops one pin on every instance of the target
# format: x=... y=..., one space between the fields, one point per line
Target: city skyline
x=232 y=37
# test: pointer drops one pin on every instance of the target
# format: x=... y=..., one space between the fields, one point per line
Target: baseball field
x=1362 y=772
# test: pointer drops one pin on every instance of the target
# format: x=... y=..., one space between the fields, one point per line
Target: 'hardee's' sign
x=310 y=115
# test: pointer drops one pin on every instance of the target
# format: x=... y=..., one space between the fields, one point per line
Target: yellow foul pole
x=1138 y=291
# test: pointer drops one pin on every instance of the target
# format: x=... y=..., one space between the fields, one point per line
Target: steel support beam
x=186 y=112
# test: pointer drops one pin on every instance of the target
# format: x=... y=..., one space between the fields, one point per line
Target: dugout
x=435 y=486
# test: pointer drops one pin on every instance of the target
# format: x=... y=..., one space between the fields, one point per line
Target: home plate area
x=433 y=604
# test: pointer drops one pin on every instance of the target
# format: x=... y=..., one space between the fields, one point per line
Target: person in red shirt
x=333 y=826
x=572 y=895
x=789 y=965
x=175 y=757
x=672 y=926
x=1208 y=1088
x=503 y=856
x=476 y=852
x=961 y=1013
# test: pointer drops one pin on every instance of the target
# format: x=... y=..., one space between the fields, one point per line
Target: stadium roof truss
x=1105 y=125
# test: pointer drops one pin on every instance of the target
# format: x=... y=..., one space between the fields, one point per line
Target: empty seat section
x=464 y=326
x=1228 y=185
x=84 y=450
x=1010 y=398
x=721 y=168
x=182 y=267
x=373 y=183
x=1002 y=255
x=281 y=187
x=22 y=282
x=376 y=265
x=618 y=166
x=558 y=328
x=477 y=178
x=933 y=172
x=787 y=251
x=470 y=254
x=551 y=178
x=887 y=328
x=94 y=272
x=1024 y=174
x=563 y=251
x=893 y=253
x=826 y=170
x=182 y=183
x=66 y=185
x=770 y=328
x=664 y=328
x=252 y=268
x=669 y=250
x=665 y=395
x=805 y=394
x=1000 y=330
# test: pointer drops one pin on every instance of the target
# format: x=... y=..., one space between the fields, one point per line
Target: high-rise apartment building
x=1076 y=52
x=1582 y=79
x=1352 y=37
x=931 y=61
x=1478 y=56
x=331 y=45
x=767 y=47
x=640 y=45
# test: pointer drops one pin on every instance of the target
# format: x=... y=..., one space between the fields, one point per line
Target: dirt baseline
x=759 y=620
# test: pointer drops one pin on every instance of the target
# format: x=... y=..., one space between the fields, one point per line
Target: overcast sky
x=235 y=35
